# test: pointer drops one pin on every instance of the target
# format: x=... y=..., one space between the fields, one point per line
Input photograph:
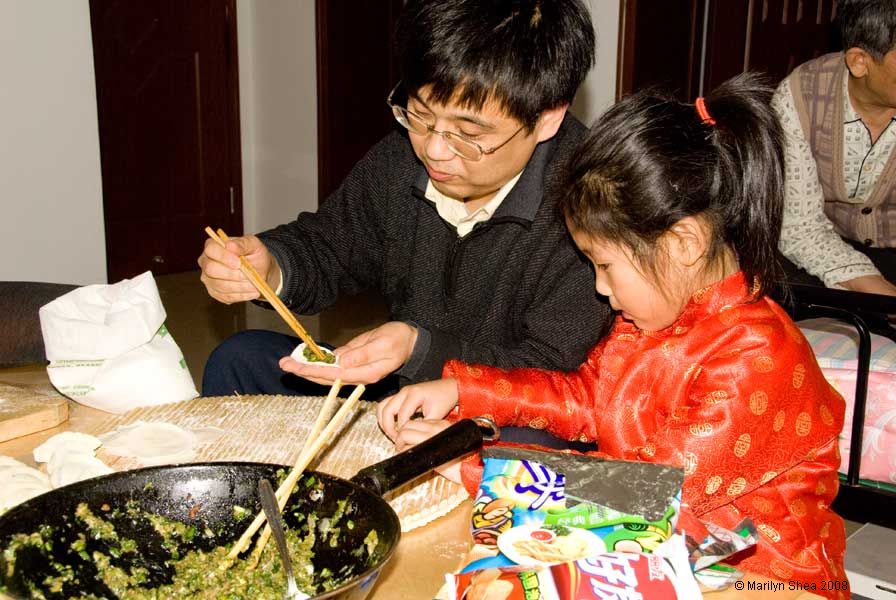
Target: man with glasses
x=452 y=218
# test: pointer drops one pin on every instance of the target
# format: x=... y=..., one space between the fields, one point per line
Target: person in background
x=450 y=217
x=837 y=113
x=678 y=207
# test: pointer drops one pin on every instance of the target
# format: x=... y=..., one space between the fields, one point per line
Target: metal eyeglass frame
x=404 y=117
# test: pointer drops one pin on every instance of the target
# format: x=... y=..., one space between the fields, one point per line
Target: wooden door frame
x=331 y=74
x=236 y=141
x=625 y=52
x=227 y=211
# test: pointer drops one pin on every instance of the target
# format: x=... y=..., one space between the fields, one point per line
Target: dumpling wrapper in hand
x=303 y=354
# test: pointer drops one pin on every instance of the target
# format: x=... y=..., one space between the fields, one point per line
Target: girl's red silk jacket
x=731 y=392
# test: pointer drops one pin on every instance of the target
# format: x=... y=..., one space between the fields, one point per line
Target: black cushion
x=21 y=341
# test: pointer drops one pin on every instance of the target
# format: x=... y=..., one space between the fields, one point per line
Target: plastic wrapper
x=566 y=526
x=538 y=508
x=708 y=545
x=664 y=575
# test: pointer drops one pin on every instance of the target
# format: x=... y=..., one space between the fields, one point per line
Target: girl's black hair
x=650 y=161
x=529 y=55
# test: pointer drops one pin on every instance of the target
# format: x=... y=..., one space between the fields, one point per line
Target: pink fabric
x=879 y=436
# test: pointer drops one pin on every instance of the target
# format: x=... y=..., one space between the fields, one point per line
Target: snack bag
x=559 y=526
x=539 y=508
x=663 y=575
x=508 y=583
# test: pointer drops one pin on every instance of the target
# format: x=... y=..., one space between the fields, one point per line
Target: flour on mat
x=19 y=482
x=156 y=442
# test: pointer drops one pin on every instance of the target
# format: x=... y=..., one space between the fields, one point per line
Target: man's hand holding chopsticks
x=221 y=268
x=365 y=359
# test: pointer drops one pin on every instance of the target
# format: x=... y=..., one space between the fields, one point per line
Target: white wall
x=599 y=90
x=51 y=208
x=51 y=214
x=278 y=110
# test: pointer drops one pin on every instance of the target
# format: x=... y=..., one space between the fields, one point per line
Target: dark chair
x=21 y=340
x=867 y=313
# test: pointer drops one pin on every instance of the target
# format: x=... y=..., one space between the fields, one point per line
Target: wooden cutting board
x=24 y=411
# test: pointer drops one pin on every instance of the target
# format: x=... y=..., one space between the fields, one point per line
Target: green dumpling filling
x=329 y=358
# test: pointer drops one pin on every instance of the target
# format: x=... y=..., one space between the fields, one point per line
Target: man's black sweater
x=513 y=292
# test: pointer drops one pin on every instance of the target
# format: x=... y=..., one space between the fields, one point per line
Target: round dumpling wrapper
x=156 y=442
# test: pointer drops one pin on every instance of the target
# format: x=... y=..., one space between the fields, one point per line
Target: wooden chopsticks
x=318 y=437
x=262 y=286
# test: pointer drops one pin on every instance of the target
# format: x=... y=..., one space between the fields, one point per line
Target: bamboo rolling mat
x=272 y=429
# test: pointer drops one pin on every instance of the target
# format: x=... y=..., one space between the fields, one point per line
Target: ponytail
x=749 y=175
x=651 y=161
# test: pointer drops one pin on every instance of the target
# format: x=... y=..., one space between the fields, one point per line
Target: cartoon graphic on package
x=491 y=517
x=523 y=509
x=559 y=526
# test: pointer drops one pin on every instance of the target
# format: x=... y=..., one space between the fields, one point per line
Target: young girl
x=678 y=207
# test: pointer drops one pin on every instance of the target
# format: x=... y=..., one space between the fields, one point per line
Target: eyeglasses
x=461 y=145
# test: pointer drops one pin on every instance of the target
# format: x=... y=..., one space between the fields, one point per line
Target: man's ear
x=857 y=61
x=549 y=122
x=687 y=241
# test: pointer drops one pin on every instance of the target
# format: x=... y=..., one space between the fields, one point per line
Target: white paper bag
x=109 y=349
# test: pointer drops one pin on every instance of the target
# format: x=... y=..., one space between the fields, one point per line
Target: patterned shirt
x=808 y=237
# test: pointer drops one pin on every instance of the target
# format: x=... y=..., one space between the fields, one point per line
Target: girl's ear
x=857 y=62
x=687 y=241
x=549 y=122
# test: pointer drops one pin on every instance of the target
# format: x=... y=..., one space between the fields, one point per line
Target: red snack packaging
x=663 y=575
x=503 y=584
x=622 y=576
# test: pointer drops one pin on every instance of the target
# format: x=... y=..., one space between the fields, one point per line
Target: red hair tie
x=701 y=110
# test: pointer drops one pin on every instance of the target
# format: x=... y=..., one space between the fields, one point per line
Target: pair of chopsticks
x=262 y=286
x=318 y=437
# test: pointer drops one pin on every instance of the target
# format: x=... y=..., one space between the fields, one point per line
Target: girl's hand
x=419 y=430
x=434 y=399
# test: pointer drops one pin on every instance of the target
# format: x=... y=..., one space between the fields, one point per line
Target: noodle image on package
x=526 y=513
x=560 y=526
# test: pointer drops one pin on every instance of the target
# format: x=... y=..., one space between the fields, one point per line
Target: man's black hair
x=869 y=25
x=529 y=55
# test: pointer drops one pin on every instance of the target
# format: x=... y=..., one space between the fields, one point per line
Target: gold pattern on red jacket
x=730 y=392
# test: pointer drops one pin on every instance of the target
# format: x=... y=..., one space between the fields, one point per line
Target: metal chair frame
x=867 y=313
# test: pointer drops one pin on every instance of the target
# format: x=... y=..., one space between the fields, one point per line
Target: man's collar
x=524 y=200
x=849 y=112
